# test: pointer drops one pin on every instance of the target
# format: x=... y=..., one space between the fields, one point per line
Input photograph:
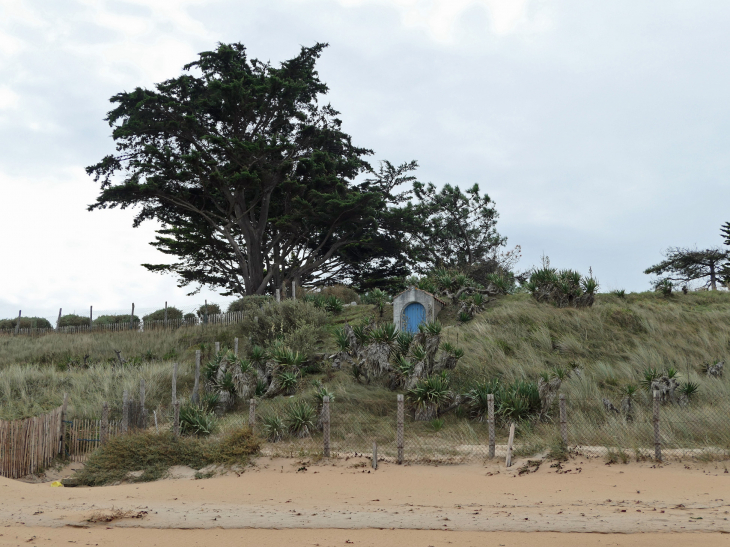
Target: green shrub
x=73 y=320
x=300 y=418
x=562 y=288
x=28 y=323
x=210 y=309
x=113 y=320
x=190 y=318
x=159 y=315
x=197 y=420
x=249 y=303
x=155 y=453
x=274 y=428
x=342 y=292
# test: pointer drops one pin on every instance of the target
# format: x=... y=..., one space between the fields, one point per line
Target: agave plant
x=258 y=356
x=274 y=427
x=689 y=389
x=464 y=317
x=429 y=395
x=451 y=349
x=519 y=400
x=431 y=328
x=261 y=388
x=333 y=304
x=300 y=419
x=342 y=340
x=384 y=334
x=403 y=342
x=649 y=375
x=320 y=393
x=195 y=420
x=362 y=334
x=418 y=353
x=477 y=398
x=288 y=381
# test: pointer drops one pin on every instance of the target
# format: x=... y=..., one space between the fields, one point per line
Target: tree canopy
x=449 y=228
x=684 y=265
x=252 y=179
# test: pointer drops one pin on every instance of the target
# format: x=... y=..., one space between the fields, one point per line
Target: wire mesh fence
x=654 y=431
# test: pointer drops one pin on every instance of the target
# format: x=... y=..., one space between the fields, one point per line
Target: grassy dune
x=610 y=344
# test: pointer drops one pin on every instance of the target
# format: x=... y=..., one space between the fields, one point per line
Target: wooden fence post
x=294 y=290
x=58 y=323
x=131 y=318
x=62 y=440
x=177 y=419
x=375 y=455
x=252 y=414
x=165 y=323
x=125 y=411
x=657 y=437
x=278 y=295
x=174 y=383
x=508 y=462
x=205 y=313
x=235 y=347
x=490 y=422
x=196 y=386
x=563 y=420
x=217 y=348
x=326 y=425
x=157 y=429
x=91 y=317
x=17 y=325
x=400 y=426
x=104 y=430
x=142 y=409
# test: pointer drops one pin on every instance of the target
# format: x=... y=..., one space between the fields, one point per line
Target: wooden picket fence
x=217 y=319
x=84 y=436
x=30 y=444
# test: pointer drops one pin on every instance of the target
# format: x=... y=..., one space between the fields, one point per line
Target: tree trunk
x=713 y=277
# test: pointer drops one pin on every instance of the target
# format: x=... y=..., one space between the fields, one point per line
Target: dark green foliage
x=431 y=328
x=664 y=286
x=210 y=309
x=249 y=304
x=190 y=318
x=288 y=381
x=725 y=233
x=450 y=228
x=341 y=339
x=384 y=333
x=197 y=420
x=562 y=288
x=300 y=418
x=515 y=402
x=464 y=317
x=122 y=319
x=648 y=376
x=247 y=168
x=274 y=428
x=377 y=298
x=682 y=265
x=689 y=389
x=73 y=320
x=329 y=303
x=156 y=453
x=403 y=342
x=159 y=315
x=433 y=391
x=28 y=323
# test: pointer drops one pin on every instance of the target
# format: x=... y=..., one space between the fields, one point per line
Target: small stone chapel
x=413 y=307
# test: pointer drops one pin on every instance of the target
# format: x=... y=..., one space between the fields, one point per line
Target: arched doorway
x=413 y=315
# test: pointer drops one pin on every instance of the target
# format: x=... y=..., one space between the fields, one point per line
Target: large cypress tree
x=252 y=179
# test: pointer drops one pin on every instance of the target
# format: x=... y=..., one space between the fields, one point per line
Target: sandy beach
x=338 y=502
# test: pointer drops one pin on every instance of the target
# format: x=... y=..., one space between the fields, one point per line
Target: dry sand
x=277 y=502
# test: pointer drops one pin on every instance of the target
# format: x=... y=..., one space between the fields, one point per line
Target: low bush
x=28 y=323
x=73 y=320
x=155 y=453
x=209 y=309
x=114 y=320
x=249 y=303
x=341 y=292
x=159 y=315
x=562 y=288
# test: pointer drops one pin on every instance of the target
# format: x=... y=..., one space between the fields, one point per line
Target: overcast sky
x=599 y=128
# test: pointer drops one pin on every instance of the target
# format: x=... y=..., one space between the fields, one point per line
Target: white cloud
x=8 y=98
x=440 y=17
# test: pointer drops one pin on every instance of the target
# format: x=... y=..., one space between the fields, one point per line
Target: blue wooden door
x=413 y=315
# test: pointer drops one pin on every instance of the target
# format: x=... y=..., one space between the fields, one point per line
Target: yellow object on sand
x=57 y=483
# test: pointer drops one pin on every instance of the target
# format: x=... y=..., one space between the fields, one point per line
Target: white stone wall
x=432 y=306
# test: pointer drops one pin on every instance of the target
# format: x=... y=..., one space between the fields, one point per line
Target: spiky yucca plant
x=300 y=419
